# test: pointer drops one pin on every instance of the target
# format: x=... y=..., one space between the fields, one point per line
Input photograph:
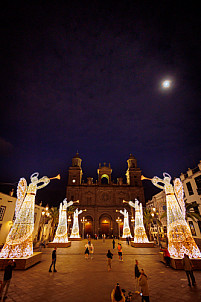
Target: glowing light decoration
x=140 y=235
x=126 y=228
x=180 y=239
x=19 y=240
x=75 y=228
x=61 y=235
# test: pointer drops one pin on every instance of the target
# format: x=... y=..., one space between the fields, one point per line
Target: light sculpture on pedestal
x=126 y=228
x=75 y=228
x=19 y=241
x=140 y=235
x=180 y=239
x=61 y=235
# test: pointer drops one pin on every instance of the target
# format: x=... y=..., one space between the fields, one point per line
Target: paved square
x=83 y=280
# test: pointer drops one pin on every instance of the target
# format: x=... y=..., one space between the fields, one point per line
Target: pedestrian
x=113 y=243
x=54 y=257
x=137 y=275
x=89 y=240
x=119 y=247
x=127 y=240
x=117 y=294
x=187 y=264
x=166 y=255
x=104 y=238
x=144 y=286
x=91 y=250
x=109 y=260
x=7 y=278
x=86 y=251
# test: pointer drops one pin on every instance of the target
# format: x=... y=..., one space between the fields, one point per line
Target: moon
x=166 y=84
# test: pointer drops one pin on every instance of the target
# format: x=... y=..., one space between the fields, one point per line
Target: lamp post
x=132 y=221
x=83 y=221
x=154 y=214
x=69 y=220
x=45 y=214
x=118 y=220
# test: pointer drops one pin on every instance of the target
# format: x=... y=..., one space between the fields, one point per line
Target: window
x=198 y=183
x=2 y=212
x=192 y=228
x=189 y=187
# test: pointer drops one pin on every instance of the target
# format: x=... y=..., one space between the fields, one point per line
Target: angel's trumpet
x=56 y=177
x=143 y=177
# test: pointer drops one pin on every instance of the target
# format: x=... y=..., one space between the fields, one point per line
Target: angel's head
x=34 y=177
x=167 y=177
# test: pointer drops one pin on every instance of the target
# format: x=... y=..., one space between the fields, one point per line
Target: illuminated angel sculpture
x=75 y=228
x=126 y=228
x=19 y=241
x=61 y=235
x=140 y=235
x=180 y=240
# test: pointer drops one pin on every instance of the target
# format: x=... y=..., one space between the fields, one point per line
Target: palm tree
x=192 y=211
x=149 y=219
x=54 y=216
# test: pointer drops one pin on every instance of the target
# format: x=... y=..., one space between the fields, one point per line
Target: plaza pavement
x=80 y=280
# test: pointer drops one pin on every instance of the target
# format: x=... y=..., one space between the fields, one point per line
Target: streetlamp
x=132 y=221
x=83 y=221
x=45 y=214
x=118 y=220
x=69 y=220
x=154 y=214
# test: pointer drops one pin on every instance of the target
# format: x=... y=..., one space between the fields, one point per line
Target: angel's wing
x=179 y=192
x=21 y=192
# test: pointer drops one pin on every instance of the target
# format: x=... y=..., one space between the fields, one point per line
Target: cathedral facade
x=103 y=198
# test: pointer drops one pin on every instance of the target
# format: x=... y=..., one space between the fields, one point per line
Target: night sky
x=86 y=76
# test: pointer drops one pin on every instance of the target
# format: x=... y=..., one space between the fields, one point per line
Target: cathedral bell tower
x=133 y=173
x=75 y=171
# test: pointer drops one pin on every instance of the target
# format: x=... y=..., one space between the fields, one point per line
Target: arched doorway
x=88 y=226
x=105 y=225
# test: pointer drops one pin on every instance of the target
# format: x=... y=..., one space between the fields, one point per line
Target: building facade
x=103 y=197
x=192 y=190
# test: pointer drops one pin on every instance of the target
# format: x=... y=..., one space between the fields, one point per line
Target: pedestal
x=146 y=244
x=75 y=239
x=176 y=263
x=124 y=239
x=22 y=263
x=59 y=244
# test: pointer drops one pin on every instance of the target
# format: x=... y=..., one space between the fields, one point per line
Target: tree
x=149 y=219
x=54 y=217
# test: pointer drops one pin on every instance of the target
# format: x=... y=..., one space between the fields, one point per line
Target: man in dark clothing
x=54 y=256
x=7 y=278
x=113 y=243
x=188 y=269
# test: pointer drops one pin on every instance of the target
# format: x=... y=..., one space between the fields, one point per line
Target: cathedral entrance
x=105 y=223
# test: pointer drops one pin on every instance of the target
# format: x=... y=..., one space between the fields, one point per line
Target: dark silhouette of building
x=102 y=198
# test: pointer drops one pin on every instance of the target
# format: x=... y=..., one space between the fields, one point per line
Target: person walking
x=119 y=247
x=86 y=251
x=137 y=275
x=109 y=260
x=91 y=250
x=54 y=257
x=117 y=294
x=188 y=269
x=7 y=278
x=113 y=243
x=144 y=286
